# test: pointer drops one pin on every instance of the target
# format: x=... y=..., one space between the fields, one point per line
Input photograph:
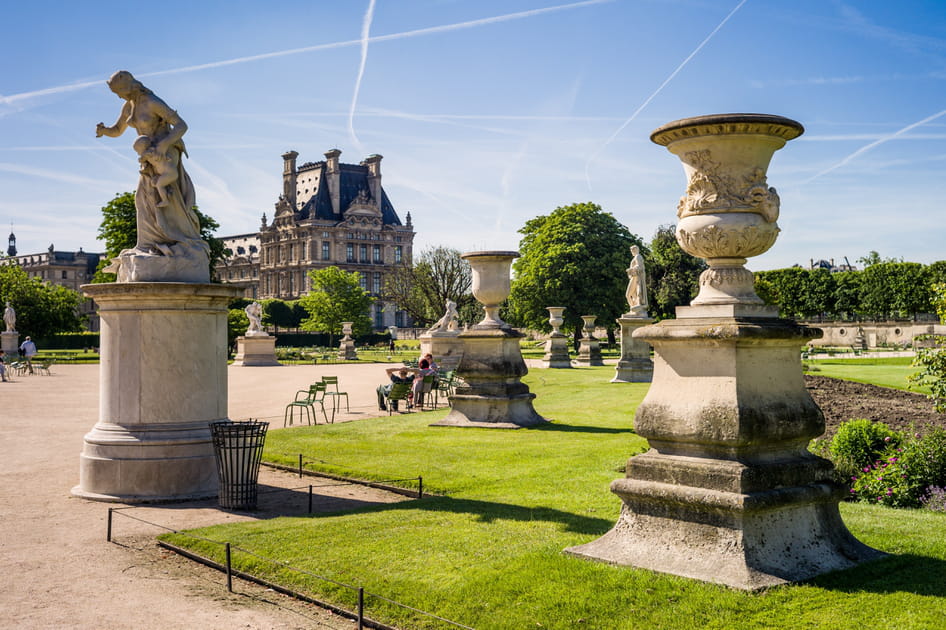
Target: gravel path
x=60 y=571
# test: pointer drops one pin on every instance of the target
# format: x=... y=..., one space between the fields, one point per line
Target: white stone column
x=635 y=365
x=163 y=381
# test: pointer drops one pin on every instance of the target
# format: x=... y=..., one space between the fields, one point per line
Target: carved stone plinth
x=589 y=352
x=728 y=492
x=446 y=346
x=494 y=396
x=10 y=343
x=163 y=381
x=556 y=352
x=635 y=365
x=255 y=350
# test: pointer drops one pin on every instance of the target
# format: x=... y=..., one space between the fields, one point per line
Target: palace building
x=329 y=213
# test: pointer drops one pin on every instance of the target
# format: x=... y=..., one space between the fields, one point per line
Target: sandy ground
x=59 y=570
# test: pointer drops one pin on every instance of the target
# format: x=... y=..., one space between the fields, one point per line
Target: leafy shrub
x=934 y=499
x=860 y=443
x=902 y=477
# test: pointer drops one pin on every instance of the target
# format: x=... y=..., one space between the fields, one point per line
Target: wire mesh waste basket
x=238 y=448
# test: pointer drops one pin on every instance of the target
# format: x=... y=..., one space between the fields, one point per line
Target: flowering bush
x=934 y=499
x=901 y=477
x=860 y=443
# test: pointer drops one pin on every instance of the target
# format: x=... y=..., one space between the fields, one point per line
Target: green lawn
x=488 y=553
x=886 y=372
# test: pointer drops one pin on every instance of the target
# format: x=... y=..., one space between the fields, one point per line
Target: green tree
x=847 y=294
x=41 y=309
x=894 y=289
x=237 y=323
x=336 y=297
x=874 y=258
x=673 y=276
x=278 y=313
x=119 y=231
x=931 y=355
x=422 y=290
x=797 y=292
x=575 y=257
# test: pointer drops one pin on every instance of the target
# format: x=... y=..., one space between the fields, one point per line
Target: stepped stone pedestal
x=635 y=365
x=256 y=350
x=556 y=352
x=163 y=381
x=445 y=345
x=10 y=343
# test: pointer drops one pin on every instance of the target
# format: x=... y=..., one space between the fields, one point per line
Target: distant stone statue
x=169 y=245
x=448 y=321
x=254 y=312
x=9 y=318
x=636 y=283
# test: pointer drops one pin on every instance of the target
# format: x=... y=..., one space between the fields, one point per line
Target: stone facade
x=67 y=269
x=329 y=213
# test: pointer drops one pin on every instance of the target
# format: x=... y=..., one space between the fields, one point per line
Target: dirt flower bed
x=845 y=400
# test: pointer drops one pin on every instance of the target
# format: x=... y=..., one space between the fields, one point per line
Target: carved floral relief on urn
x=729 y=212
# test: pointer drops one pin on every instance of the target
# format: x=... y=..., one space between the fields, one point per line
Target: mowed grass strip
x=488 y=552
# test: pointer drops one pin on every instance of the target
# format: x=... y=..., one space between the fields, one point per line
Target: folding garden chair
x=332 y=382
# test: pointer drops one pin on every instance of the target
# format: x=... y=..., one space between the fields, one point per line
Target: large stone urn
x=492 y=366
x=556 y=347
x=728 y=491
x=589 y=350
x=346 y=347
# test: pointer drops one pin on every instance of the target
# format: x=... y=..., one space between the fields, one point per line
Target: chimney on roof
x=373 y=163
x=289 y=177
x=333 y=178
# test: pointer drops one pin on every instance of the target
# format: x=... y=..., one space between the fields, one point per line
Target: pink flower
x=887 y=439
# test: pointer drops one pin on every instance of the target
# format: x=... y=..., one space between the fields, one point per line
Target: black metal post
x=229 y=569
x=361 y=607
x=108 y=535
x=300 y=465
x=420 y=487
x=310 y=499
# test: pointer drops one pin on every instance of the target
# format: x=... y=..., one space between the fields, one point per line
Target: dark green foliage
x=894 y=289
x=237 y=323
x=240 y=303
x=336 y=297
x=673 y=276
x=798 y=292
x=859 y=443
x=41 y=308
x=931 y=355
x=575 y=257
x=119 y=231
x=847 y=294
x=278 y=314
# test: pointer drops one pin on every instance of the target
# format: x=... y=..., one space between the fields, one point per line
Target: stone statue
x=169 y=246
x=448 y=321
x=254 y=312
x=636 y=283
x=9 y=318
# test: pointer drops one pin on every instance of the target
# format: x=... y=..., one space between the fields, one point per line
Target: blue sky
x=487 y=112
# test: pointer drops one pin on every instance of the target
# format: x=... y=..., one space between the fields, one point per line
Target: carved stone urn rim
x=492 y=254
x=727 y=124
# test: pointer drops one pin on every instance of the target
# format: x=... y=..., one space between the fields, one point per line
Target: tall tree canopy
x=41 y=308
x=576 y=257
x=438 y=275
x=119 y=231
x=336 y=297
x=673 y=276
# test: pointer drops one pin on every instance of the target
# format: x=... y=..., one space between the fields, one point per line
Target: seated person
x=423 y=369
x=397 y=375
x=430 y=360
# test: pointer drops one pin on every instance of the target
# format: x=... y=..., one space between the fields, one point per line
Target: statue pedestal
x=10 y=343
x=494 y=396
x=728 y=492
x=446 y=346
x=634 y=365
x=163 y=381
x=346 y=350
x=589 y=352
x=255 y=350
x=556 y=352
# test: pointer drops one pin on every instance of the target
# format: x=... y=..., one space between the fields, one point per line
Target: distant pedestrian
x=28 y=350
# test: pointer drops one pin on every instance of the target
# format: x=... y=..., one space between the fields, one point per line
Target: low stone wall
x=875 y=334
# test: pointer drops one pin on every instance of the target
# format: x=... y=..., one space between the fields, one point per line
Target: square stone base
x=256 y=351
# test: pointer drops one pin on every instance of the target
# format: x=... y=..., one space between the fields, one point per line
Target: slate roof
x=353 y=178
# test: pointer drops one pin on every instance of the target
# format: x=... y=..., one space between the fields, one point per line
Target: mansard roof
x=353 y=178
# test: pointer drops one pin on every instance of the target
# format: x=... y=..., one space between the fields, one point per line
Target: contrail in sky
x=13 y=98
x=868 y=147
x=365 y=37
x=656 y=92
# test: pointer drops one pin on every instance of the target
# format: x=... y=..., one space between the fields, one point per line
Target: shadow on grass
x=488 y=512
x=577 y=428
x=905 y=573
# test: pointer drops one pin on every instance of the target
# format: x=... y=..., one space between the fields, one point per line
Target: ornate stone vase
x=556 y=319
x=729 y=213
x=491 y=283
x=589 y=327
x=346 y=330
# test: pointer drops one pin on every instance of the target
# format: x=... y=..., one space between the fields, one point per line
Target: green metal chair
x=423 y=394
x=444 y=386
x=332 y=382
x=306 y=400
x=399 y=392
